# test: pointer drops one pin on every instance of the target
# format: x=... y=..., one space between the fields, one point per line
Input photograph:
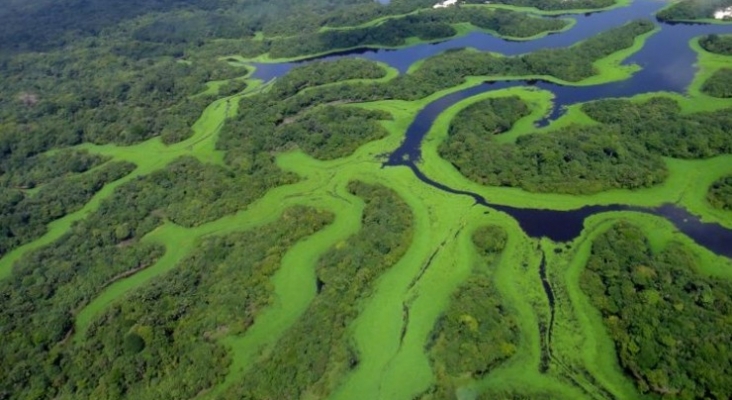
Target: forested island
x=175 y=226
x=693 y=10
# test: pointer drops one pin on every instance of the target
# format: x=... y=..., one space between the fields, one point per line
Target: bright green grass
x=389 y=368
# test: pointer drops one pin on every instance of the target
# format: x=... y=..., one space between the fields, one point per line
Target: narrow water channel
x=667 y=64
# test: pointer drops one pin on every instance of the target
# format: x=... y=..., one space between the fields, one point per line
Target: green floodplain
x=268 y=254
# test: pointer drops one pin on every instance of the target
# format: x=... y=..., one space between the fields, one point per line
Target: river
x=667 y=64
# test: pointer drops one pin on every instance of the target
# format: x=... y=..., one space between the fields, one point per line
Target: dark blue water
x=667 y=64
x=586 y=26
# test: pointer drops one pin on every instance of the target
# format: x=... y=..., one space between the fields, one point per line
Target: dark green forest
x=316 y=351
x=718 y=44
x=720 y=193
x=80 y=78
x=576 y=160
x=670 y=323
x=59 y=23
x=689 y=10
x=489 y=117
x=23 y=218
x=623 y=152
x=263 y=119
x=59 y=101
x=661 y=127
x=193 y=22
x=478 y=330
x=719 y=84
x=425 y=25
x=132 y=350
x=56 y=280
x=24 y=174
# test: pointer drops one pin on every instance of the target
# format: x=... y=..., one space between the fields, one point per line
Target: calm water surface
x=667 y=64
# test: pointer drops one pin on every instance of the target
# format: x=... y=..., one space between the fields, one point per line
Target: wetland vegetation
x=478 y=330
x=692 y=10
x=669 y=322
x=174 y=227
x=720 y=193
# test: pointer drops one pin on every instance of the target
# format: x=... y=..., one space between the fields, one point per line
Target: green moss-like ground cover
x=567 y=356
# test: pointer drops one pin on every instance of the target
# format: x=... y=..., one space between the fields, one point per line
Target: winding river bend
x=667 y=64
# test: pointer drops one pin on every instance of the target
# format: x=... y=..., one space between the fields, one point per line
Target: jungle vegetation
x=477 y=330
x=28 y=173
x=193 y=22
x=718 y=44
x=689 y=10
x=719 y=84
x=426 y=25
x=54 y=101
x=128 y=350
x=24 y=217
x=134 y=350
x=623 y=152
x=59 y=279
x=670 y=323
x=262 y=123
x=720 y=193
x=316 y=352
x=82 y=78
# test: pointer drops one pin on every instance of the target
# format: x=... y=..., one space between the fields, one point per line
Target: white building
x=445 y=4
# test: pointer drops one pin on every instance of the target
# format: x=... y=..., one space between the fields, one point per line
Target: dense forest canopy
x=138 y=337
x=60 y=278
x=720 y=193
x=478 y=330
x=670 y=323
x=59 y=23
x=689 y=10
x=312 y=355
x=624 y=152
x=719 y=84
x=718 y=44
x=150 y=207
x=56 y=24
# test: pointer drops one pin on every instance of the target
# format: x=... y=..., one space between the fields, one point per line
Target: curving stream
x=667 y=64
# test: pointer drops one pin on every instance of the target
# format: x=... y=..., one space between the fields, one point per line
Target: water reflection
x=667 y=64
